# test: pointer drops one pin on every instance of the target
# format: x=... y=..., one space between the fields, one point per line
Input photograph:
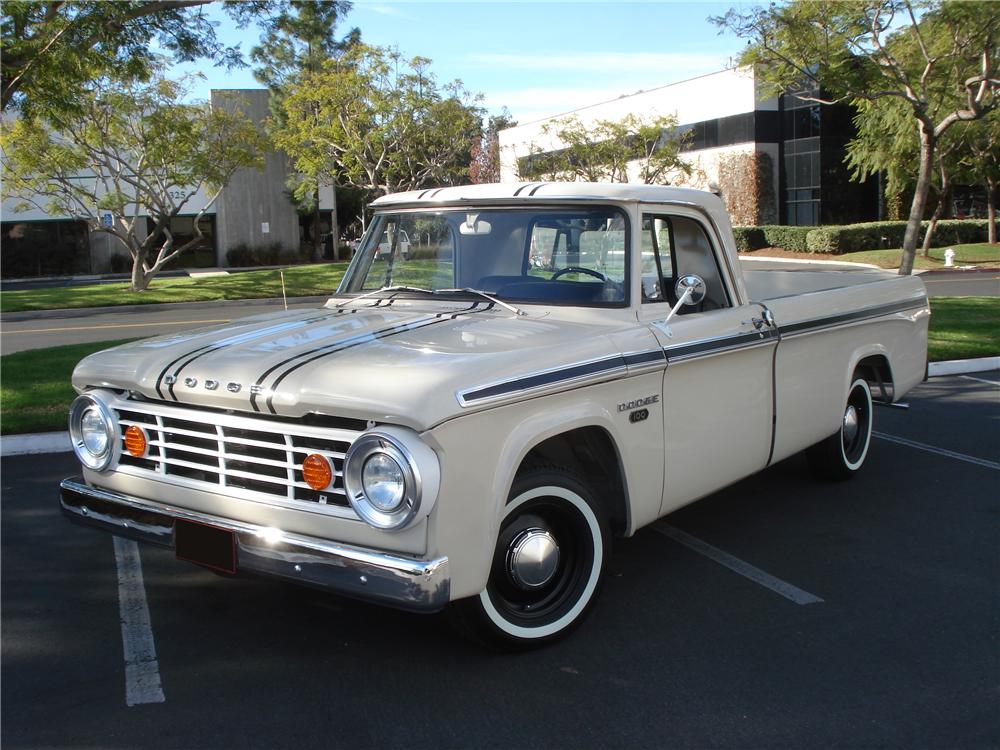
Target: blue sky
x=535 y=58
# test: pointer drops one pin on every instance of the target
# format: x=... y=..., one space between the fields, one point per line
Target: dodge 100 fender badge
x=639 y=402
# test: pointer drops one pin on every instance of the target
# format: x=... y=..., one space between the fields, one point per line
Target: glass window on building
x=44 y=248
x=202 y=253
x=802 y=172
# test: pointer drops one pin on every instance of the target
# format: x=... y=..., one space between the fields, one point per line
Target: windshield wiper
x=385 y=289
x=463 y=290
x=485 y=295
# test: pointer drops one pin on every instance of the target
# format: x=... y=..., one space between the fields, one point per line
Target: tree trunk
x=335 y=226
x=943 y=197
x=317 y=253
x=991 y=211
x=919 y=200
x=140 y=279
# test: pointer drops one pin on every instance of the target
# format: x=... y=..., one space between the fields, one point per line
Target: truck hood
x=405 y=363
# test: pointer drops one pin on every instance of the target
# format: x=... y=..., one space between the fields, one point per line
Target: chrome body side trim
x=830 y=321
x=718 y=345
x=579 y=372
x=406 y=583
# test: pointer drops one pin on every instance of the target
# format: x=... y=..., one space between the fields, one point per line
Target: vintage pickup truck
x=471 y=425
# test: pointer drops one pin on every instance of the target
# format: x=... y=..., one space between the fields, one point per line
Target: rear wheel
x=547 y=564
x=843 y=454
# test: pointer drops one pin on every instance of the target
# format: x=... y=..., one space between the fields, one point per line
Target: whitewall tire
x=547 y=565
x=842 y=455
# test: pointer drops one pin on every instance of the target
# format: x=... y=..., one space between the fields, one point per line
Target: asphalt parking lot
x=681 y=651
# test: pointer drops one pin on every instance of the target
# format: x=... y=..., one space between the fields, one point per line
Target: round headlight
x=391 y=478
x=383 y=482
x=94 y=432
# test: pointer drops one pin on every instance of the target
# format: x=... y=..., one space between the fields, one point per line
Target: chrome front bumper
x=419 y=585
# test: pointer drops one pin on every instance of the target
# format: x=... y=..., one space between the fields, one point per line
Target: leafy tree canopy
x=300 y=37
x=51 y=49
x=485 y=165
x=372 y=119
x=604 y=150
x=939 y=58
x=136 y=151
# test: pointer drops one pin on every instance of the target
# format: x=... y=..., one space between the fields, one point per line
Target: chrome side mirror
x=690 y=289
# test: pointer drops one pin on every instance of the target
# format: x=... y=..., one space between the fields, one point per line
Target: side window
x=693 y=254
x=656 y=260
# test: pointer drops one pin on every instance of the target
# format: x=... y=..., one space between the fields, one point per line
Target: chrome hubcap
x=850 y=424
x=532 y=558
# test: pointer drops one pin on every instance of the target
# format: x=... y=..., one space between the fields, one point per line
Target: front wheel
x=546 y=568
x=843 y=454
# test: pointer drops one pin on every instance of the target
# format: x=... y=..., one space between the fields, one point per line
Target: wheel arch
x=874 y=365
x=553 y=440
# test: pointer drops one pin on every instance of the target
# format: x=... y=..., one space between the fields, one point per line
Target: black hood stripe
x=232 y=341
x=359 y=338
x=438 y=318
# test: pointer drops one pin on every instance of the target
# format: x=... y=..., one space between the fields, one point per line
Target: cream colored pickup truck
x=471 y=424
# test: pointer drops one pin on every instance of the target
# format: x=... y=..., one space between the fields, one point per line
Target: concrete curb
x=962 y=366
x=41 y=442
x=58 y=442
x=83 y=312
x=765 y=259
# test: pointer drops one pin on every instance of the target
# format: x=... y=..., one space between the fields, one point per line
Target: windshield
x=573 y=256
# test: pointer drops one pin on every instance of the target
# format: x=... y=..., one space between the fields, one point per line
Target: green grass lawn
x=35 y=391
x=978 y=254
x=300 y=281
x=964 y=328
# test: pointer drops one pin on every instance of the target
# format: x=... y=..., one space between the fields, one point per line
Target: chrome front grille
x=252 y=458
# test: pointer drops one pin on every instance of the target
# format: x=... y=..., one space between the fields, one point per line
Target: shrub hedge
x=849 y=238
x=771 y=235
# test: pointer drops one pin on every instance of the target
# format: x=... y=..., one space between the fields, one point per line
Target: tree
x=376 y=121
x=136 y=151
x=920 y=52
x=52 y=49
x=485 y=165
x=886 y=144
x=300 y=38
x=980 y=163
x=604 y=150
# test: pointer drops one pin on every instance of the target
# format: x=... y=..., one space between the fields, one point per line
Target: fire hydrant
x=949 y=258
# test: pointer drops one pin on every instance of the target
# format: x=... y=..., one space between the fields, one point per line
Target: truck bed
x=769 y=279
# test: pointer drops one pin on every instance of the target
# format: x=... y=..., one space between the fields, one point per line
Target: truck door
x=718 y=401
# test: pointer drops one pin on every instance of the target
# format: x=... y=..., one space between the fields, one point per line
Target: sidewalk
x=58 y=442
x=83 y=312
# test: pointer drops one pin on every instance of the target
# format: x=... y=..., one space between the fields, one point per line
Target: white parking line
x=940 y=451
x=980 y=380
x=737 y=565
x=142 y=671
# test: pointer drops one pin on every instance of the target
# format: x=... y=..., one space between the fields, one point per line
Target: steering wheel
x=578 y=269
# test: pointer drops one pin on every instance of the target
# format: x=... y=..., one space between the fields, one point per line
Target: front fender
x=481 y=453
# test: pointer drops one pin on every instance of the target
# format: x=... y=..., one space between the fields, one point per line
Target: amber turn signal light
x=135 y=441
x=316 y=471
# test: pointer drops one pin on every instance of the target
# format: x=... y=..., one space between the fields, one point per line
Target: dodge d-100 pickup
x=471 y=422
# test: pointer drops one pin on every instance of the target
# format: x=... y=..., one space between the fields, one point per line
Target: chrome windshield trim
x=407 y=583
x=592 y=370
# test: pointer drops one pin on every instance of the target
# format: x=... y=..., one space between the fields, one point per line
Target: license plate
x=205 y=545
